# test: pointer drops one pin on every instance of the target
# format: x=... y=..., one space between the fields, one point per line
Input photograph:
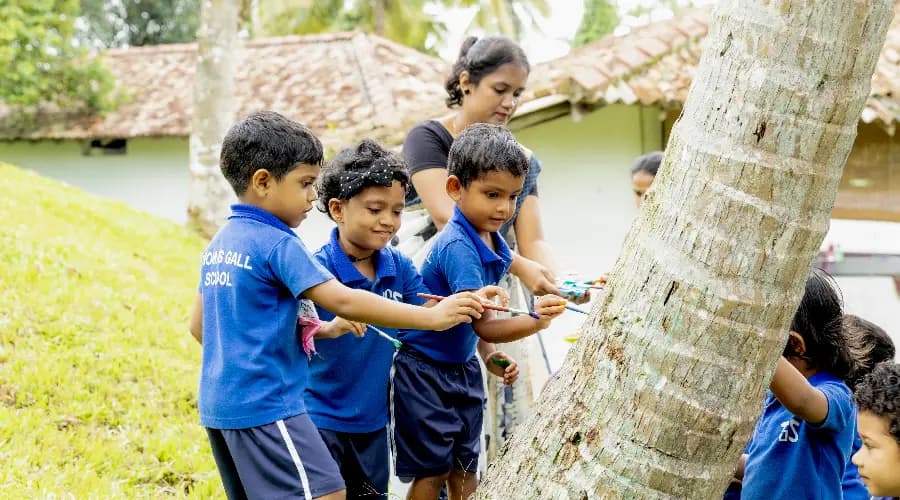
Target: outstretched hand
x=459 y=308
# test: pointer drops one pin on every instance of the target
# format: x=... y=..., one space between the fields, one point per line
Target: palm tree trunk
x=659 y=397
x=378 y=13
x=213 y=113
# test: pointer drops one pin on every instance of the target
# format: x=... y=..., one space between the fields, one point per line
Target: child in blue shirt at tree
x=363 y=190
x=869 y=346
x=252 y=274
x=437 y=393
x=802 y=441
x=878 y=398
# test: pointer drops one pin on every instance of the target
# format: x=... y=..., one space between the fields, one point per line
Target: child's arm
x=510 y=329
x=498 y=363
x=196 y=324
x=366 y=307
x=796 y=394
x=339 y=327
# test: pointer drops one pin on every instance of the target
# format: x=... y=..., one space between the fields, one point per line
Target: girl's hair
x=818 y=321
x=647 y=163
x=869 y=345
x=354 y=169
x=481 y=57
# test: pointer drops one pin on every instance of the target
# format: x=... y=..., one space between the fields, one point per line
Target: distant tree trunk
x=659 y=397
x=213 y=113
x=378 y=13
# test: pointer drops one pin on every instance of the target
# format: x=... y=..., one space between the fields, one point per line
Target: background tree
x=660 y=395
x=600 y=18
x=507 y=17
x=42 y=65
x=213 y=113
x=120 y=23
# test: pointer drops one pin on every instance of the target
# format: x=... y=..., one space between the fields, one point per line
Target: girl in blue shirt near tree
x=803 y=439
x=363 y=191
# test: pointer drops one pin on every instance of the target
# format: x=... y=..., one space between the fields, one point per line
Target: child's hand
x=489 y=294
x=340 y=326
x=549 y=307
x=459 y=308
x=501 y=365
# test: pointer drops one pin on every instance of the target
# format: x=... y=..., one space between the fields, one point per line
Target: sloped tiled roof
x=654 y=65
x=343 y=86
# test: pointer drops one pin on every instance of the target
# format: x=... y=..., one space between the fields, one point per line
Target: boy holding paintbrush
x=437 y=394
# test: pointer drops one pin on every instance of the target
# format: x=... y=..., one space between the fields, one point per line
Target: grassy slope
x=98 y=372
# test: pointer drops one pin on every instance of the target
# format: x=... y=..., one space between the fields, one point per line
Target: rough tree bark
x=660 y=395
x=213 y=112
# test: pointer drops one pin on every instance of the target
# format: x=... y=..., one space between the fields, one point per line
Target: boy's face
x=290 y=198
x=489 y=201
x=879 y=457
x=370 y=219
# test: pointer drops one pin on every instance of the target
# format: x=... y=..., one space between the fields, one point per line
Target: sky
x=558 y=28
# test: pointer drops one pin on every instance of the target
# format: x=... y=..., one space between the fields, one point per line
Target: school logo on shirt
x=789 y=431
x=219 y=277
x=392 y=295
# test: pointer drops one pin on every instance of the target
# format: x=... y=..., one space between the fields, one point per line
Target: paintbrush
x=487 y=306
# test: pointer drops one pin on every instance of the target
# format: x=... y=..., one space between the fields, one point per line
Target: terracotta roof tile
x=343 y=86
x=669 y=54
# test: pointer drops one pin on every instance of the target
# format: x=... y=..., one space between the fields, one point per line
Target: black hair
x=483 y=148
x=354 y=169
x=879 y=393
x=647 y=163
x=266 y=140
x=869 y=345
x=481 y=57
x=818 y=321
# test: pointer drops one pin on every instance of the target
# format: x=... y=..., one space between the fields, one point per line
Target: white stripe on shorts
x=392 y=424
x=296 y=458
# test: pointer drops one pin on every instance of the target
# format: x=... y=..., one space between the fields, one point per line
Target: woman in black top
x=485 y=85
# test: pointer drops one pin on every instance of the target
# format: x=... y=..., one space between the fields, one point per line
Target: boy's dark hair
x=266 y=140
x=818 y=321
x=483 y=148
x=354 y=169
x=868 y=343
x=647 y=163
x=482 y=57
x=879 y=393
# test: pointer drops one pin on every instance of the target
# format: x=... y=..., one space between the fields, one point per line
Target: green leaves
x=44 y=64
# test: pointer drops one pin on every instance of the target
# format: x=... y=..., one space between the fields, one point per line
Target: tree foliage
x=42 y=64
x=120 y=23
x=600 y=18
x=507 y=17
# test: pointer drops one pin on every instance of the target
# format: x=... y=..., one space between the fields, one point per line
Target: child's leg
x=227 y=470
x=424 y=423
x=462 y=484
x=285 y=459
x=426 y=488
x=364 y=463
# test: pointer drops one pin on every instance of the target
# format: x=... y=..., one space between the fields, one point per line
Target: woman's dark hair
x=354 y=169
x=879 y=393
x=868 y=343
x=818 y=321
x=647 y=163
x=481 y=57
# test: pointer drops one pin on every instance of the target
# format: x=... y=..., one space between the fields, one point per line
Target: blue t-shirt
x=854 y=489
x=348 y=379
x=251 y=275
x=458 y=261
x=791 y=458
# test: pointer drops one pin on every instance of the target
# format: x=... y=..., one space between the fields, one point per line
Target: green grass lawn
x=98 y=373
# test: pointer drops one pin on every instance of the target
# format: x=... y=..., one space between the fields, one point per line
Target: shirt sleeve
x=412 y=281
x=293 y=265
x=423 y=149
x=840 y=407
x=461 y=265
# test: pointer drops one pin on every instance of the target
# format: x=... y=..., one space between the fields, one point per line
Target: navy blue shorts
x=284 y=459
x=436 y=414
x=363 y=459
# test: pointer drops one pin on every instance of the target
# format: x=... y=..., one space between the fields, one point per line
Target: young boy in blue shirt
x=252 y=274
x=878 y=400
x=363 y=190
x=437 y=393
